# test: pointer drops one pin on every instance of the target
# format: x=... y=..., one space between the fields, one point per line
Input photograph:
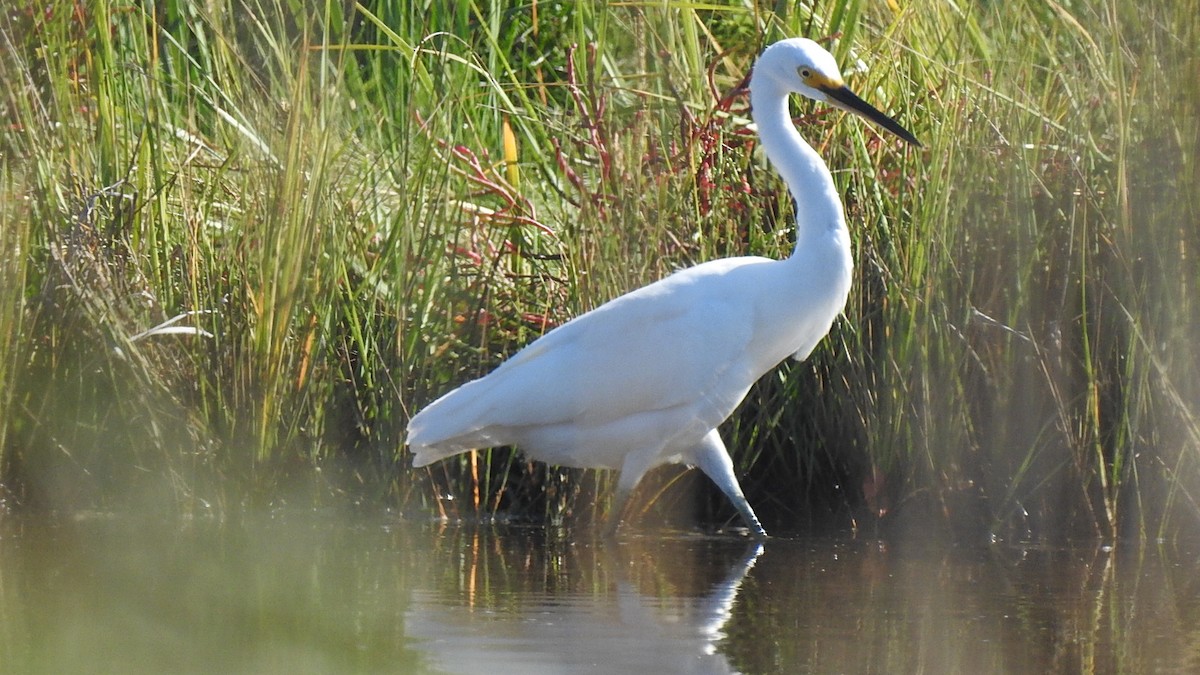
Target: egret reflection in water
x=621 y=626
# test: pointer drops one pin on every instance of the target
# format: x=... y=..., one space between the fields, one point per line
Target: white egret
x=645 y=379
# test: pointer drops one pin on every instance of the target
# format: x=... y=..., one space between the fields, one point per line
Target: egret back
x=681 y=343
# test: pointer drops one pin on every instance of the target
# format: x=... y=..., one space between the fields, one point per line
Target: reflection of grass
x=330 y=201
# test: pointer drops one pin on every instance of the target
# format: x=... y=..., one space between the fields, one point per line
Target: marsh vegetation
x=242 y=242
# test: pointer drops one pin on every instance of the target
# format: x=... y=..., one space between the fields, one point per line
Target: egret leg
x=635 y=466
x=713 y=459
x=620 y=500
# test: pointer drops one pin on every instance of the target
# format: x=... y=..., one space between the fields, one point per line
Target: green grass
x=321 y=193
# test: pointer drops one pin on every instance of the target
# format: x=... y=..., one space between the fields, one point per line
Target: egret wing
x=666 y=345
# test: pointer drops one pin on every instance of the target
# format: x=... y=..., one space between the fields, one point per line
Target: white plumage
x=645 y=379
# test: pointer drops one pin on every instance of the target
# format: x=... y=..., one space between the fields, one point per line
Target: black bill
x=849 y=101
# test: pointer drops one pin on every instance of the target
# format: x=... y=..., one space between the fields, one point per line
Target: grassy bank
x=243 y=242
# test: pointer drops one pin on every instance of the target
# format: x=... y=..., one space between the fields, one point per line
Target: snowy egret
x=645 y=379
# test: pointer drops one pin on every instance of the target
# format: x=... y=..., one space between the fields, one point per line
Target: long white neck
x=818 y=205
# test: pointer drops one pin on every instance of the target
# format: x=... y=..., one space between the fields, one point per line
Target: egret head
x=801 y=66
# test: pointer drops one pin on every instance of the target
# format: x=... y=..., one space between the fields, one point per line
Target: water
x=326 y=593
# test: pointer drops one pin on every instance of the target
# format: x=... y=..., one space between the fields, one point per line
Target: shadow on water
x=329 y=593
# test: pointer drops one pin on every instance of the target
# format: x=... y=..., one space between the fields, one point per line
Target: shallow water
x=322 y=593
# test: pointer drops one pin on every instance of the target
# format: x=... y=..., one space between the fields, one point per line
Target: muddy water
x=325 y=593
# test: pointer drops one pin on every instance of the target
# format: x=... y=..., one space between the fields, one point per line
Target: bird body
x=689 y=345
x=646 y=378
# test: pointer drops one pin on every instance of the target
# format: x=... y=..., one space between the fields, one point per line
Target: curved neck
x=818 y=206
